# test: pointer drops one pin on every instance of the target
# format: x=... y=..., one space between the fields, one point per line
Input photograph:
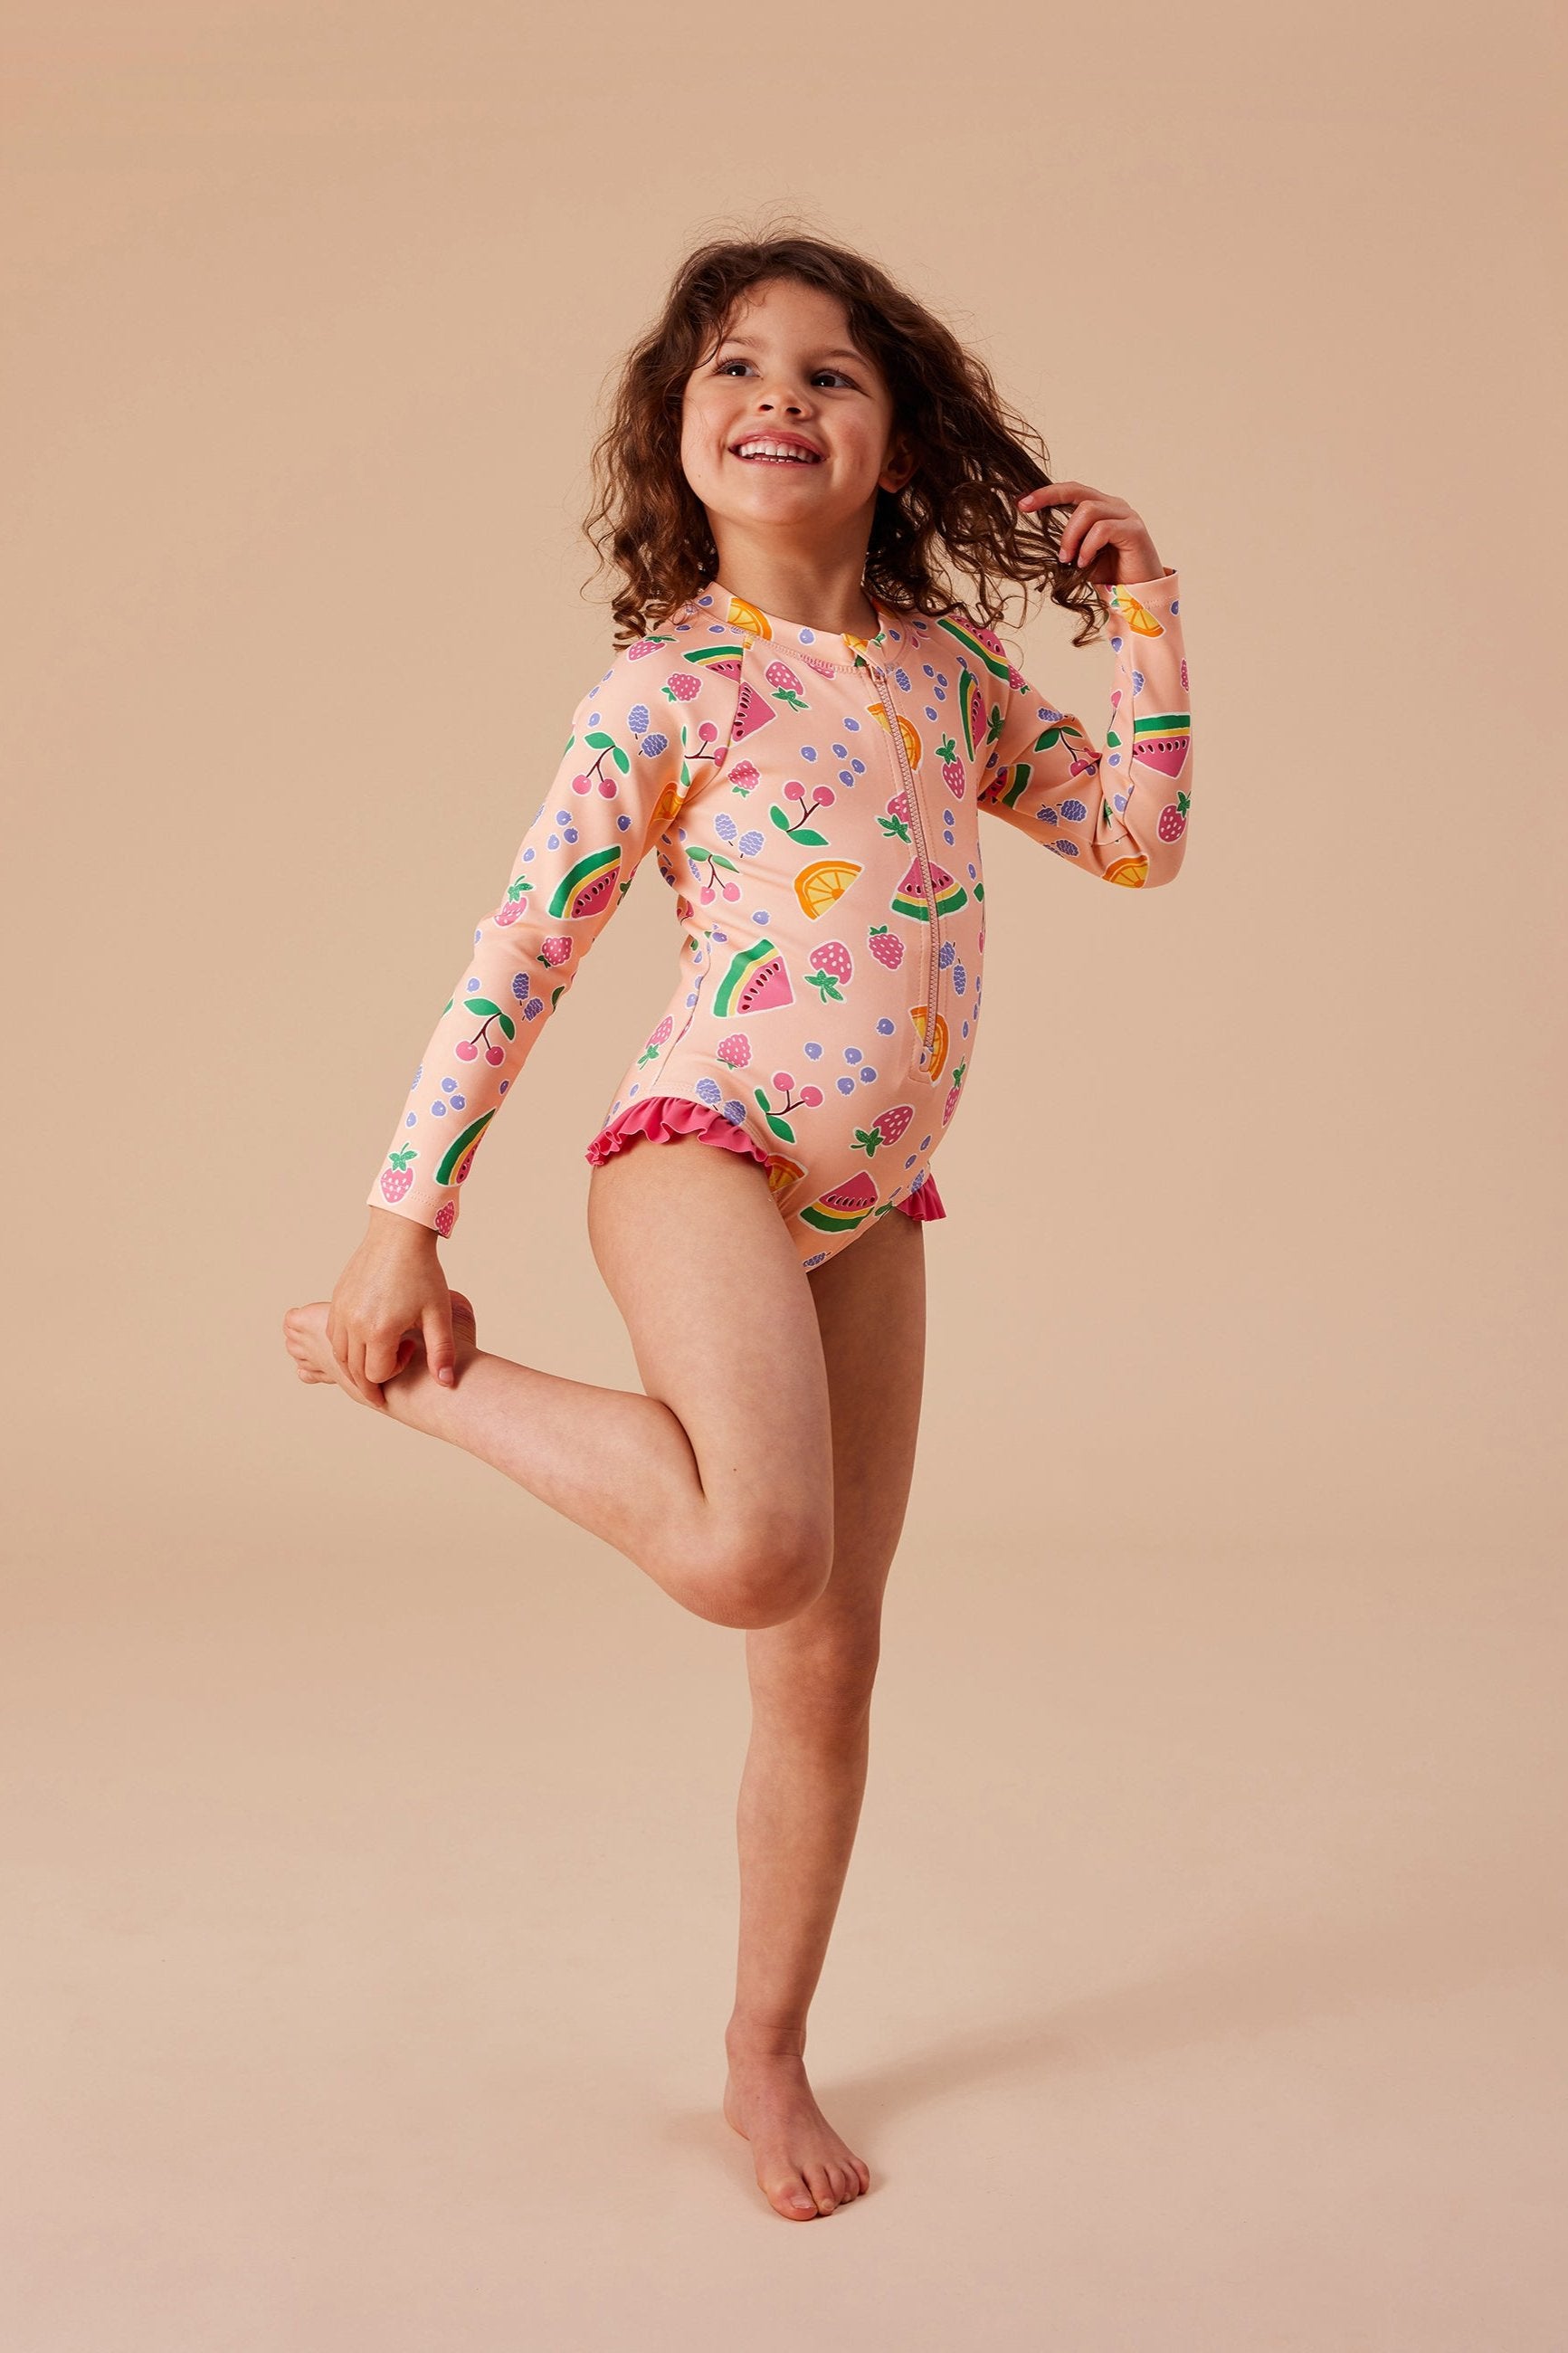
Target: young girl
x=804 y=727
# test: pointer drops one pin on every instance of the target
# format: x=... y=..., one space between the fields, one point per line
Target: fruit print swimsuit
x=813 y=800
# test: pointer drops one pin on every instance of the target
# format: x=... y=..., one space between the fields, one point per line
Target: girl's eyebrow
x=747 y=344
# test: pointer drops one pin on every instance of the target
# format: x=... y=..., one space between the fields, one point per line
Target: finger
x=440 y=1353
x=1086 y=517
x=1055 y=494
x=338 y=1341
x=362 y=1386
x=385 y=1357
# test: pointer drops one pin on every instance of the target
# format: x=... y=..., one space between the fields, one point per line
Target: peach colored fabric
x=813 y=800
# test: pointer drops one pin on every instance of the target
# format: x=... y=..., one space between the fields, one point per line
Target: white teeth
x=779 y=451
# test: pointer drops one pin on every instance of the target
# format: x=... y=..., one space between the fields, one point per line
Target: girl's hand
x=392 y=1292
x=1106 y=539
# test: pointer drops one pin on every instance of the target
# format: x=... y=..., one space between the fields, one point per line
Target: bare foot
x=305 y=1337
x=803 y=2169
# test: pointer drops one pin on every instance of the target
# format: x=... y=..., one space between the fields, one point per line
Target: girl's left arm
x=1117 y=811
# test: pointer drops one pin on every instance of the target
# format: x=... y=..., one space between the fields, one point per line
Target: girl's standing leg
x=811 y=1682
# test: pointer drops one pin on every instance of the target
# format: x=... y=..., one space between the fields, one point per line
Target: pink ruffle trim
x=924 y=1202
x=661 y=1117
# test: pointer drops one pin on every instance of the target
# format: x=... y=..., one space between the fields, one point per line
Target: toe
x=821 y=2189
x=792 y=2199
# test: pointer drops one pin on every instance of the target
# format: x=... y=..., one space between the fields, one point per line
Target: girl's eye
x=725 y=365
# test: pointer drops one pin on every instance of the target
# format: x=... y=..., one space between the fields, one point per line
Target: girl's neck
x=809 y=593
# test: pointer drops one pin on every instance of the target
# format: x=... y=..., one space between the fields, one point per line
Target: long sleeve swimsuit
x=813 y=800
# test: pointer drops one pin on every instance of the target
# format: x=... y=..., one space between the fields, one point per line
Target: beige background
x=368 y=1837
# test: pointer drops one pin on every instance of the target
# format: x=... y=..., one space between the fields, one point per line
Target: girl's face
x=787 y=366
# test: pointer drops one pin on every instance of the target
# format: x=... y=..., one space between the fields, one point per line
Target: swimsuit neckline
x=840 y=648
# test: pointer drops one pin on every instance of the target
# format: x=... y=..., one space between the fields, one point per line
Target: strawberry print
x=399 y=1174
x=515 y=902
x=886 y=1128
x=831 y=969
x=661 y=1037
x=786 y=687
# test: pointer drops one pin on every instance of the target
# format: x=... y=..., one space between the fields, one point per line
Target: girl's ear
x=900 y=465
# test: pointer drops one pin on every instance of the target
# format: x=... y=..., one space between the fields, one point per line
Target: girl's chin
x=794 y=479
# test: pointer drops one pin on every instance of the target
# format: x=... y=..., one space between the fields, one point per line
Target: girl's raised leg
x=717 y=1480
x=811 y=1682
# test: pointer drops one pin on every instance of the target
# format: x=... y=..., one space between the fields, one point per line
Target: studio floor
x=1197 y=1984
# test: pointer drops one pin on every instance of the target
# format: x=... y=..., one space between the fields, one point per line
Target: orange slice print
x=819 y=887
x=912 y=741
x=918 y=1015
x=1133 y=871
x=1140 y=619
x=783 y=1173
x=670 y=802
x=746 y=616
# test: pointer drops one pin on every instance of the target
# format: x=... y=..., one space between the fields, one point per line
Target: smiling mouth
x=753 y=457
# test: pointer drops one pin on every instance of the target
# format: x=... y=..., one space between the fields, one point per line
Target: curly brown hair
x=975 y=455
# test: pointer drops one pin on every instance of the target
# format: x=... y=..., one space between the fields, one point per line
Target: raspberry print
x=446 y=1217
x=831 y=967
x=683 y=686
x=743 y=777
x=554 y=951
x=734 y=1051
x=885 y=946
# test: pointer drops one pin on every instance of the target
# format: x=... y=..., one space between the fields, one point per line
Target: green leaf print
x=491 y=1012
x=780 y=1127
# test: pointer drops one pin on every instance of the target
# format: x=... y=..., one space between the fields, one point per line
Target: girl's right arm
x=624 y=772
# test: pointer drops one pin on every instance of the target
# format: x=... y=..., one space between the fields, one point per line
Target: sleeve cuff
x=1142 y=589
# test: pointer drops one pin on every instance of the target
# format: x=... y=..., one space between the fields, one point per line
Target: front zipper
x=911 y=794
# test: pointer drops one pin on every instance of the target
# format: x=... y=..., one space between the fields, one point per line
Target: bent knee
x=763 y=1574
